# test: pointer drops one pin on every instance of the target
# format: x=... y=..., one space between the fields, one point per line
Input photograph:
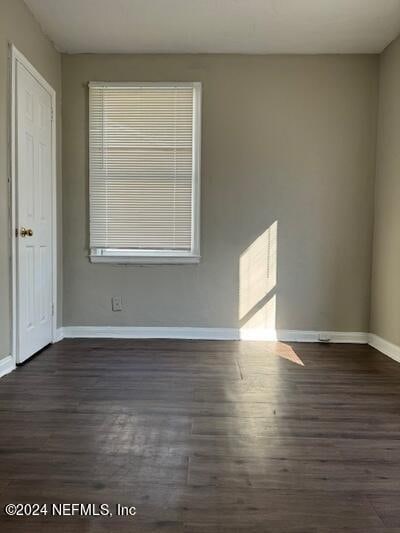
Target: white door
x=33 y=214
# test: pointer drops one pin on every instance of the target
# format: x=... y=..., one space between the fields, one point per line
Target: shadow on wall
x=258 y=278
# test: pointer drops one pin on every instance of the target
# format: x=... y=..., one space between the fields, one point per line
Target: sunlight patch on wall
x=263 y=319
x=258 y=278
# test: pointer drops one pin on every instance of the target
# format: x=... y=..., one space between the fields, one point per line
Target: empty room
x=200 y=266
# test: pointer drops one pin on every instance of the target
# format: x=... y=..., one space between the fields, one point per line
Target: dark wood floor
x=204 y=437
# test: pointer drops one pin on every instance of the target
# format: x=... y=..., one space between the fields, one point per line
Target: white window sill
x=145 y=260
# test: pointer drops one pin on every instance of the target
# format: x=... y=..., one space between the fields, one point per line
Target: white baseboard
x=126 y=332
x=384 y=346
x=345 y=337
x=7 y=365
x=294 y=335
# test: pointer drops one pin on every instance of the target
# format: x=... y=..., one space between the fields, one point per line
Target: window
x=144 y=158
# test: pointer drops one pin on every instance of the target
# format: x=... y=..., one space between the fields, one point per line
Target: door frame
x=15 y=56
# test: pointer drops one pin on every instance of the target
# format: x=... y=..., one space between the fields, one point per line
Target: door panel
x=33 y=193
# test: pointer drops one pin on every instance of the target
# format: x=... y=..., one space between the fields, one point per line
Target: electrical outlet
x=116 y=303
x=324 y=337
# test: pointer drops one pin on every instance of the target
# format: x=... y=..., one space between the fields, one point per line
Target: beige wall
x=385 y=304
x=288 y=143
x=286 y=139
x=18 y=26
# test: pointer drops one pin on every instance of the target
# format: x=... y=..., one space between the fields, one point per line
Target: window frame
x=148 y=256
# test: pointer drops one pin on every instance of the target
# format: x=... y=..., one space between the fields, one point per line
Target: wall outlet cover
x=324 y=337
x=116 y=303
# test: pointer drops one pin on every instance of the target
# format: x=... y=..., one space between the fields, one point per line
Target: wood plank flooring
x=204 y=437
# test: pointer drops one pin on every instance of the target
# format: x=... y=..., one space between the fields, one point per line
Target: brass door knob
x=26 y=232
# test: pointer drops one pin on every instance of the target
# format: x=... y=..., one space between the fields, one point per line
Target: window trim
x=136 y=256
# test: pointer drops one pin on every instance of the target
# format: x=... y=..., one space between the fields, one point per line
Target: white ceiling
x=219 y=26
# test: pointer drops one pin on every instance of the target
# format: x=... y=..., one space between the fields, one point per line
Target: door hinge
x=52 y=113
x=52 y=309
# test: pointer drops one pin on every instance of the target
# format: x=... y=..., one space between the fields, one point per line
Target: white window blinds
x=144 y=160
